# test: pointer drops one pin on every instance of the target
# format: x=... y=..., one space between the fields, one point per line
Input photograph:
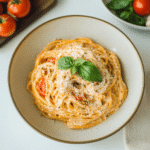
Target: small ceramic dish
x=144 y=28
x=71 y=27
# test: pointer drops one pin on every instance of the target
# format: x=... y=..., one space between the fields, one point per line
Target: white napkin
x=137 y=131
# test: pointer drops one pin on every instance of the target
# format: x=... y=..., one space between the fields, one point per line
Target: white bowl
x=71 y=27
x=144 y=28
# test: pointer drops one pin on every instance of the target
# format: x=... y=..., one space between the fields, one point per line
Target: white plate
x=71 y=27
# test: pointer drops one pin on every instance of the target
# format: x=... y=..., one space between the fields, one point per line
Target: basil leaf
x=89 y=72
x=79 y=61
x=73 y=70
x=129 y=7
x=135 y=19
x=118 y=4
x=86 y=70
x=124 y=15
x=65 y=63
x=118 y=12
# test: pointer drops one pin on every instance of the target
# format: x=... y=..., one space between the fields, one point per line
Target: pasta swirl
x=68 y=98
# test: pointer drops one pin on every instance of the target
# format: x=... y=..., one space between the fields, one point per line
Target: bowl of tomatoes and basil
x=135 y=13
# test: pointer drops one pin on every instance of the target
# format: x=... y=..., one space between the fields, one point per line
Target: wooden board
x=38 y=8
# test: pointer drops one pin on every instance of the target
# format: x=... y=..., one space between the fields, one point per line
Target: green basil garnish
x=89 y=72
x=65 y=63
x=73 y=70
x=86 y=70
x=79 y=61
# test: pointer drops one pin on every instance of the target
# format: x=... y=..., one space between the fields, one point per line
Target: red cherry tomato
x=52 y=60
x=19 y=8
x=4 y=0
x=1 y=9
x=79 y=97
x=7 y=25
x=141 y=7
x=42 y=87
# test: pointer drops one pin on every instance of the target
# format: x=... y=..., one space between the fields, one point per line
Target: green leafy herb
x=129 y=7
x=118 y=4
x=135 y=19
x=125 y=15
x=86 y=70
x=73 y=70
x=79 y=61
x=124 y=10
x=89 y=72
x=65 y=63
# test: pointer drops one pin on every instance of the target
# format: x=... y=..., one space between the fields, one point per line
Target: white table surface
x=15 y=133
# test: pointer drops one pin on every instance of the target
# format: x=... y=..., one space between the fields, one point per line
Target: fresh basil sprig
x=65 y=63
x=118 y=4
x=86 y=70
x=73 y=70
x=89 y=72
x=79 y=61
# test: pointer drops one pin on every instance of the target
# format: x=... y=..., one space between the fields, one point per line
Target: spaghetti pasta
x=68 y=98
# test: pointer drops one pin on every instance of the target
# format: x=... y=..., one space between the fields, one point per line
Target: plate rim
x=65 y=141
